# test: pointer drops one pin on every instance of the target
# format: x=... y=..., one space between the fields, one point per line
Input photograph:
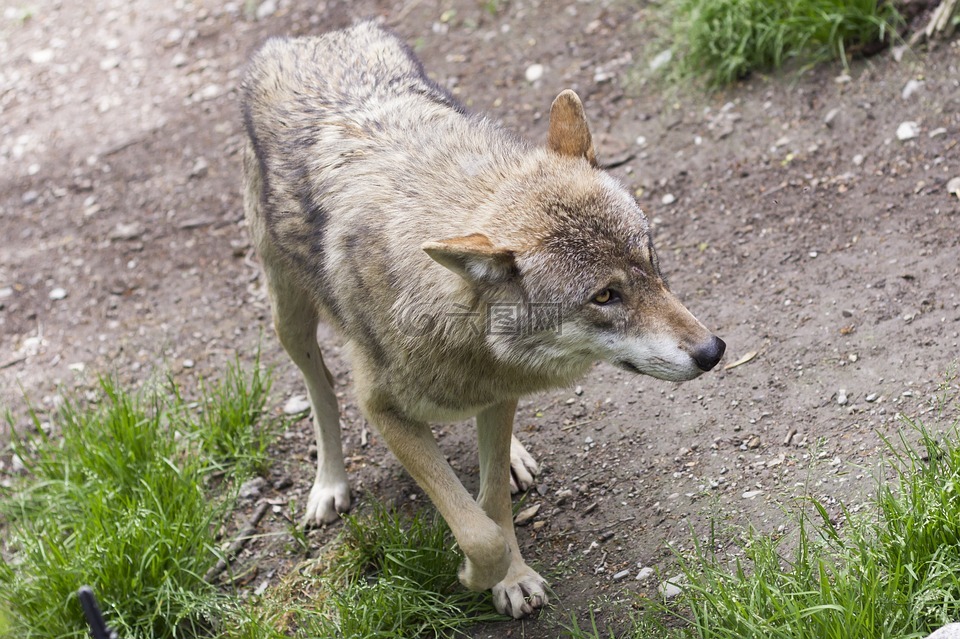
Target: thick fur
x=464 y=268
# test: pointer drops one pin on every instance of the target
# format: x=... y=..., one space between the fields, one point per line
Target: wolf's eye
x=606 y=296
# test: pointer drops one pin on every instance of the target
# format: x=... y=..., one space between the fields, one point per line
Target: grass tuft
x=116 y=499
x=725 y=40
x=891 y=571
x=392 y=576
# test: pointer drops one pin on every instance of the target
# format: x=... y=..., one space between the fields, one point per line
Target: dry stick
x=238 y=543
x=941 y=23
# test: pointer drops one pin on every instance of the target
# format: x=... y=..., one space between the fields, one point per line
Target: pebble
x=180 y=59
x=672 y=587
x=937 y=132
x=750 y=494
x=645 y=573
x=29 y=197
x=296 y=405
x=526 y=515
x=6 y=291
x=578 y=390
x=753 y=442
x=842 y=397
x=908 y=130
x=110 y=62
x=669 y=198
x=57 y=294
x=621 y=575
x=831 y=117
x=126 y=231
x=858 y=159
x=188 y=363
x=872 y=397
x=661 y=59
x=911 y=87
x=200 y=168
x=266 y=9
x=953 y=186
x=949 y=631
x=534 y=72
x=252 y=488
x=41 y=56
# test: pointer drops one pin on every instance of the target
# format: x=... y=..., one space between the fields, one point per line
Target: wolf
x=463 y=267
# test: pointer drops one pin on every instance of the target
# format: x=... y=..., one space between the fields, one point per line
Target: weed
x=116 y=500
x=724 y=40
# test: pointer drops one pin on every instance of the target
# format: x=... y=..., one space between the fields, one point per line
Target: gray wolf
x=464 y=268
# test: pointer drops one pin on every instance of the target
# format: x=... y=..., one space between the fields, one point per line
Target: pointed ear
x=474 y=258
x=569 y=133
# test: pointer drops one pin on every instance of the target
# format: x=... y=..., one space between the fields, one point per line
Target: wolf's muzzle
x=707 y=356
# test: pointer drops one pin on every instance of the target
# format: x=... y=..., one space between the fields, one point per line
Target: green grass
x=391 y=575
x=891 y=571
x=121 y=497
x=724 y=40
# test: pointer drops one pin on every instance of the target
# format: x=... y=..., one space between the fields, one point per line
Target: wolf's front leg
x=522 y=591
x=482 y=541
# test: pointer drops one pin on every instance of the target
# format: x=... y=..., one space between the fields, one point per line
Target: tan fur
x=461 y=265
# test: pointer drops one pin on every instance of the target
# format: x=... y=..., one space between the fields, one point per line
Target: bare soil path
x=788 y=215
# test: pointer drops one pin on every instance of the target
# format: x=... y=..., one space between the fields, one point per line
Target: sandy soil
x=801 y=230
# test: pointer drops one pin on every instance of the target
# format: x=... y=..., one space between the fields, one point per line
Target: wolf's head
x=571 y=267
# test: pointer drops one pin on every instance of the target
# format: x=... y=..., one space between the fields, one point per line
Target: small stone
x=937 y=132
x=645 y=573
x=188 y=363
x=110 y=62
x=953 y=186
x=200 y=168
x=908 y=131
x=5 y=292
x=672 y=587
x=842 y=397
x=858 y=159
x=126 y=231
x=29 y=197
x=640 y=141
x=661 y=59
x=252 y=488
x=911 y=87
x=179 y=59
x=621 y=575
x=210 y=92
x=669 y=198
x=563 y=495
x=526 y=515
x=578 y=390
x=534 y=72
x=266 y=9
x=570 y=400
x=57 y=294
x=753 y=442
x=296 y=405
x=41 y=56
x=949 y=631
x=750 y=494
x=871 y=398
x=843 y=78
x=831 y=117
x=77 y=367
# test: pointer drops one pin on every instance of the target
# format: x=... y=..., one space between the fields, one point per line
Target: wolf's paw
x=523 y=467
x=326 y=503
x=521 y=593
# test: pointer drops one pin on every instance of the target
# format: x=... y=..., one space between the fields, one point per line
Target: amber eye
x=606 y=296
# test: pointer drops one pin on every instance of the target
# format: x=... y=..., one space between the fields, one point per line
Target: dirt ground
x=789 y=217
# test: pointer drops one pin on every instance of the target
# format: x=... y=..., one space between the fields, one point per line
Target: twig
x=238 y=543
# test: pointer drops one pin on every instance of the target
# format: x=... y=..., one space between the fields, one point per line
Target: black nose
x=709 y=354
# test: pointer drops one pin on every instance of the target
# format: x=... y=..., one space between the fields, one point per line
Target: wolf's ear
x=474 y=258
x=569 y=133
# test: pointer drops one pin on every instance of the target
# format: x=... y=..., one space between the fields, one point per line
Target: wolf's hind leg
x=295 y=320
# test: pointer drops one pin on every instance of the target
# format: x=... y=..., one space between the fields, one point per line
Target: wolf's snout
x=709 y=353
